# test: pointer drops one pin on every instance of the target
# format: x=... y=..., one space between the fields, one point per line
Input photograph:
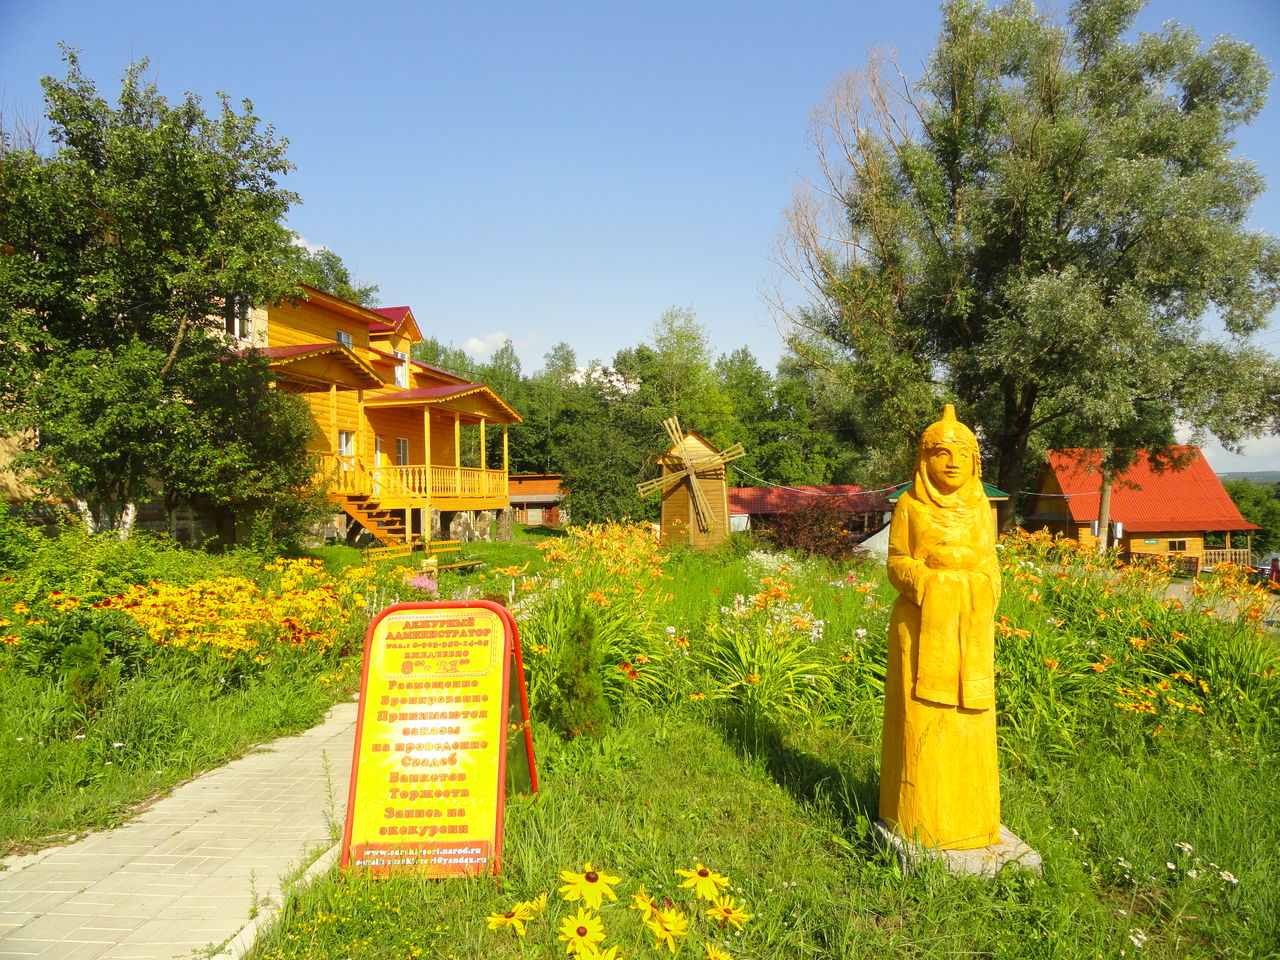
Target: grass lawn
x=1138 y=752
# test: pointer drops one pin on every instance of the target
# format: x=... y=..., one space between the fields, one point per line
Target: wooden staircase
x=370 y=514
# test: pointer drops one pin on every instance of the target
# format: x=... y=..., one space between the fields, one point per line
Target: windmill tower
x=695 y=488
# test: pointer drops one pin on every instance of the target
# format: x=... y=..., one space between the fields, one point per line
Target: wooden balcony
x=415 y=485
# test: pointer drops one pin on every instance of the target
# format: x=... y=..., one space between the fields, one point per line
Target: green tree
x=325 y=269
x=126 y=256
x=1039 y=229
x=1260 y=504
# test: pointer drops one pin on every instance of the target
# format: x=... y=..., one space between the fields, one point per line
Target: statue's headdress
x=948 y=430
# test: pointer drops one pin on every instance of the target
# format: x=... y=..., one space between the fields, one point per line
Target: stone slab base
x=980 y=861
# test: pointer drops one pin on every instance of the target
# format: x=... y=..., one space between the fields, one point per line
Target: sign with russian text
x=429 y=771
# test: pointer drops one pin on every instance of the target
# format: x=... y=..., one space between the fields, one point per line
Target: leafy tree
x=123 y=257
x=325 y=269
x=1039 y=229
x=1260 y=504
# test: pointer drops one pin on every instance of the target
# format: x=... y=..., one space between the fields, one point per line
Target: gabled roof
x=283 y=357
x=395 y=318
x=438 y=371
x=849 y=498
x=1145 y=498
x=426 y=395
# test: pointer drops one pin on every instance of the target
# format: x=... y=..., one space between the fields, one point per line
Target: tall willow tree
x=1043 y=228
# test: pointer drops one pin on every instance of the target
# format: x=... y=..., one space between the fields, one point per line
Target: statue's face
x=950 y=464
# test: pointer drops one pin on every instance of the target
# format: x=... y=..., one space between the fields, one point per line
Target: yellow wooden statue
x=939 y=781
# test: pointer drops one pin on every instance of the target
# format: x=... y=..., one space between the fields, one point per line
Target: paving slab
x=191 y=870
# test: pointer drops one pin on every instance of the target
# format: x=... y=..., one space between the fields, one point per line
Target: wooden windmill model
x=695 y=488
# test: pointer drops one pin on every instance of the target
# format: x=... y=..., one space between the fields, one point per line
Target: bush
x=820 y=528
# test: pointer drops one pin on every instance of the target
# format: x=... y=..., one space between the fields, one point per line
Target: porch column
x=506 y=466
x=457 y=453
x=1228 y=535
x=426 y=459
x=484 y=456
x=333 y=414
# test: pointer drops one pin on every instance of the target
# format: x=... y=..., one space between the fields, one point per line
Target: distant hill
x=1257 y=476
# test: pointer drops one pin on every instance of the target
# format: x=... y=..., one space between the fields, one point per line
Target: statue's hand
x=950 y=557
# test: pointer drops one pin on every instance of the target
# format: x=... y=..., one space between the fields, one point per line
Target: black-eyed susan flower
x=726 y=911
x=590 y=886
x=644 y=903
x=536 y=905
x=666 y=925
x=715 y=953
x=581 y=932
x=706 y=883
x=514 y=918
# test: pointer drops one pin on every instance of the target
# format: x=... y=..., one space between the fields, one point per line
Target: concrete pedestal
x=980 y=861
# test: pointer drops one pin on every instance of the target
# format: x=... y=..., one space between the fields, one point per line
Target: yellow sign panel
x=427 y=778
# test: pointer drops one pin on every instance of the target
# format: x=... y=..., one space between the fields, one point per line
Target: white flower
x=671 y=631
x=79 y=736
x=117 y=745
x=1123 y=863
x=1193 y=873
x=1075 y=832
x=1227 y=876
x=1184 y=847
x=860 y=633
x=1170 y=865
x=1138 y=937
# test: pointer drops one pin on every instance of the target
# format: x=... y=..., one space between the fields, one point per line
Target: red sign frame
x=465 y=623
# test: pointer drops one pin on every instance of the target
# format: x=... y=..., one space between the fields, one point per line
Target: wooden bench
x=398 y=551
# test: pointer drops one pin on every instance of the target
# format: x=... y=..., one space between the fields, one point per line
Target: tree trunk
x=127 y=518
x=1104 y=511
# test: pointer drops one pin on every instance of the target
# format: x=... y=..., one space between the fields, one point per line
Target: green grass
x=63 y=776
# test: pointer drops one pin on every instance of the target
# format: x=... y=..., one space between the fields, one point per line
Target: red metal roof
x=438 y=370
x=394 y=314
x=848 y=497
x=1146 y=499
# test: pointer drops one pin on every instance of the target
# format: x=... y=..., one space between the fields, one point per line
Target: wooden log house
x=391 y=431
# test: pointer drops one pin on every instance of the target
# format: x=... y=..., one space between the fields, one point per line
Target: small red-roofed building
x=758 y=507
x=1155 y=509
x=537 y=499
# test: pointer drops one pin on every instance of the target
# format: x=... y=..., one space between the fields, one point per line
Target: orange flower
x=1051 y=664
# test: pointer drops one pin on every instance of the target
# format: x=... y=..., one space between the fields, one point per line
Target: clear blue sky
x=554 y=171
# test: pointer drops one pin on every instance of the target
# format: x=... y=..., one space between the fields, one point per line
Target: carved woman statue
x=939 y=781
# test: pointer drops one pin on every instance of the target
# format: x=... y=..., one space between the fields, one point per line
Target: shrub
x=821 y=528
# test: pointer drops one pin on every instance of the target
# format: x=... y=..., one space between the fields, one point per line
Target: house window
x=346 y=443
x=344 y=338
x=402 y=451
x=235 y=317
x=1177 y=546
x=402 y=369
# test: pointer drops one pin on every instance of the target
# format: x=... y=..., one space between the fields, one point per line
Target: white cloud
x=483 y=347
x=300 y=241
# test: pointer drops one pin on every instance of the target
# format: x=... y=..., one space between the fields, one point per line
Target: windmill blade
x=701 y=505
x=672 y=426
x=658 y=483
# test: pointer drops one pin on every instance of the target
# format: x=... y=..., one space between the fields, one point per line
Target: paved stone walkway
x=193 y=869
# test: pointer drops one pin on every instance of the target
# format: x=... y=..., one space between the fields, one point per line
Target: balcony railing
x=1214 y=556
x=351 y=475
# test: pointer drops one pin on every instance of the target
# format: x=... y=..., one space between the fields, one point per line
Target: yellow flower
x=726 y=911
x=715 y=953
x=582 y=932
x=643 y=902
x=589 y=886
x=595 y=953
x=513 y=918
x=706 y=883
x=535 y=905
x=666 y=925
